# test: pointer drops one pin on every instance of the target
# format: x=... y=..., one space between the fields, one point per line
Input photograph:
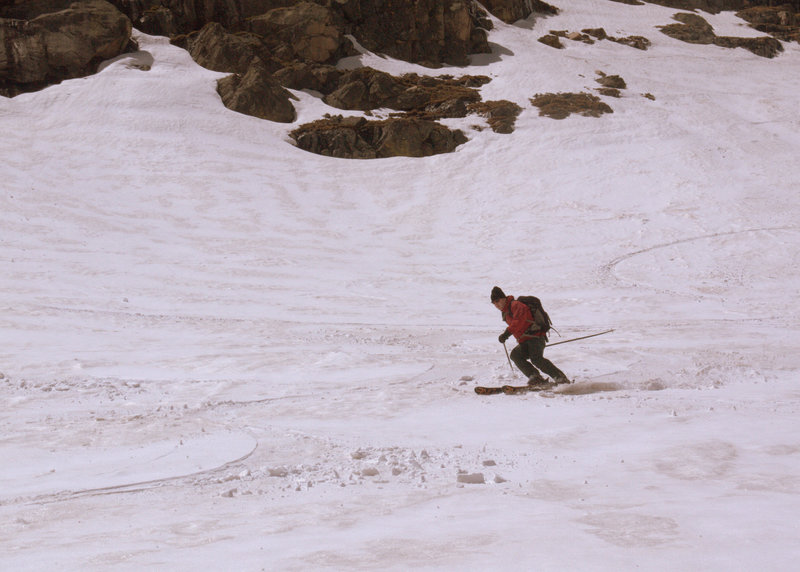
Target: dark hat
x=497 y=294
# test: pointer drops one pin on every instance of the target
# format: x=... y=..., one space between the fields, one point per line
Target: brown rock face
x=429 y=32
x=218 y=49
x=509 y=11
x=695 y=30
x=47 y=41
x=357 y=138
x=310 y=30
x=782 y=22
x=256 y=93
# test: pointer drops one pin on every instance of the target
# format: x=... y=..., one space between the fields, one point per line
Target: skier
x=531 y=334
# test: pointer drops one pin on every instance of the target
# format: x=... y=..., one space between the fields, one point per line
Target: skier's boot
x=536 y=380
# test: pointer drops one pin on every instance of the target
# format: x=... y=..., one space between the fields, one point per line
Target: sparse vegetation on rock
x=612 y=84
x=562 y=105
x=500 y=115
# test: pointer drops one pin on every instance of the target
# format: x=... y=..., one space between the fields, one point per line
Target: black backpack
x=535 y=305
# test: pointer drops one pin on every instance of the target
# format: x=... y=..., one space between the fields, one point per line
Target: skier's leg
x=536 y=351
x=519 y=355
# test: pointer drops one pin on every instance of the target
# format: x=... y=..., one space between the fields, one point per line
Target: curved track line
x=607 y=270
x=124 y=488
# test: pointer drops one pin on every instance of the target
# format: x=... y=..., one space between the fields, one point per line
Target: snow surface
x=220 y=352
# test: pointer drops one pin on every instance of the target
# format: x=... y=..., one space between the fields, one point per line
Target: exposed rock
x=710 y=6
x=363 y=89
x=310 y=30
x=366 y=89
x=318 y=77
x=638 y=42
x=500 y=115
x=612 y=81
x=471 y=478
x=443 y=96
x=357 y=138
x=589 y=35
x=509 y=11
x=612 y=84
x=428 y=32
x=765 y=46
x=256 y=93
x=695 y=30
x=561 y=105
x=552 y=40
x=174 y=17
x=782 y=22
x=692 y=29
x=218 y=49
x=598 y=33
x=47 y=41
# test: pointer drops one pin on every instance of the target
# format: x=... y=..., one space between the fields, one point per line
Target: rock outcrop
x=500 y=115
x=256 y=93
x=305 y=32
x=47 y=41
x=357 y=138
x=782 y=22
x=509 y=11
x=562 y=105
x=695 y=30
x=429 y=32
x=218 y=49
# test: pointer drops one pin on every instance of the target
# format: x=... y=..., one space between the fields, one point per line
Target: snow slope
x=221 y=352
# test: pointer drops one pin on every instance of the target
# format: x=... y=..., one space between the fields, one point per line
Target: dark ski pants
x=533 y=350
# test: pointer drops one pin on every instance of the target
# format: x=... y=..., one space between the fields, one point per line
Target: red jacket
x=518 y=317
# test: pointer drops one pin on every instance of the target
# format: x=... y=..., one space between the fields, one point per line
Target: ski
x=481 y=390
x=513 y=389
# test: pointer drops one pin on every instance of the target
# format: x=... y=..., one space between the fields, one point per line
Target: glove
x=504 y=336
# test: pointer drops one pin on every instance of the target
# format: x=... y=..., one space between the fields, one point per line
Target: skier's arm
x=520 y=319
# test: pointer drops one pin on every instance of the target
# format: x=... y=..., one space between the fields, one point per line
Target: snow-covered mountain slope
x=221 y=351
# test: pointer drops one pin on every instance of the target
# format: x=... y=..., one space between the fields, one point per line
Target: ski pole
x=508 y=357
x=580 y=338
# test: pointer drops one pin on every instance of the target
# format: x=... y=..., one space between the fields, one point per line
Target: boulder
x=509 y=11
x=364 y=89
x=357 y=138
x=218 y=49
x=47 y=41
x=317 y=77
x=257 y=93
x=428 y=32
x=313 y=32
